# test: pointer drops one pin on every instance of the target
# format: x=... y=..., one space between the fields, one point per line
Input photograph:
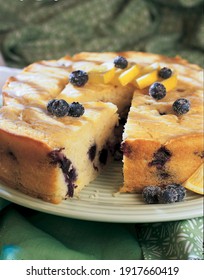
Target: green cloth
x=32 y=235
x=180 y=240
x=47 y=29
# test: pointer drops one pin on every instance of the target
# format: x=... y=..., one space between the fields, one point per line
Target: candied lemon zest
x=115 y=80
x=128 y=75
x=147 y=79
x=103 y=73
x=195 y=182
x=109 y=75
x=140 y=77
x=170 y=83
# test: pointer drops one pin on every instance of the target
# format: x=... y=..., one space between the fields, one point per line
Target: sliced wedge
x=170 y=83
x=195 y=182
x=147 y=79
x=128 y=75
x=103 y=73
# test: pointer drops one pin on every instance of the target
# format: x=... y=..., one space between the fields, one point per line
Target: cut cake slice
x=96 y=90
x=54 y=158
x=117 y=94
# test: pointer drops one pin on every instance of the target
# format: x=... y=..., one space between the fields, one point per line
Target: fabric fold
x=43 y=236
x=51 y=29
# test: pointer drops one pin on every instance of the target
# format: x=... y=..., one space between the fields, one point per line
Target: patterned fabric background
x=180 y=240
x=31 y=30
x=45 y=29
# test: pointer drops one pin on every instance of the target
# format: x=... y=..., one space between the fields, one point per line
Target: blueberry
x=92 y=152
x=120 y=62
x=165 y=72
x=69 y=171
x=161 y=157
x=168 y=195
x=49 y=105
x=181 y=106
x=58 y=108
x=103 y=157
x=157 y=91
x=76 y=109
x=181 y=191
x=78 y=78
x=150 y=194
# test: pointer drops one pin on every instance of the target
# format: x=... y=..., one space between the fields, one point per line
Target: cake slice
x=54 y=158
x=116 y=94
x=96 y=89
x=161 y=147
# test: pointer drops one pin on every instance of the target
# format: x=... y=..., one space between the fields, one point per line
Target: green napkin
x=44 y=237
x=180 y=240
x=47 y=29
x=3 y=203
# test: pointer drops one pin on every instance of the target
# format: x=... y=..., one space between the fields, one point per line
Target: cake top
x=39 y=124
x=149 y=117
x=155 y=119
x=38 y=82
x=47 y=79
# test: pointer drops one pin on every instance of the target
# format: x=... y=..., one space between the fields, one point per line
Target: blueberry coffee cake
x=61 y=122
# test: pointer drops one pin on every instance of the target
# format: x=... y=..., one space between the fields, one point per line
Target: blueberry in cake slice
x=53 y=157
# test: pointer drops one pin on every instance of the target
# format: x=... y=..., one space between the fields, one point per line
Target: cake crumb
x=115 y=194
x=94 y=195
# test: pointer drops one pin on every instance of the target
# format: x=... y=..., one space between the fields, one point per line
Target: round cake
x=51 y=151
